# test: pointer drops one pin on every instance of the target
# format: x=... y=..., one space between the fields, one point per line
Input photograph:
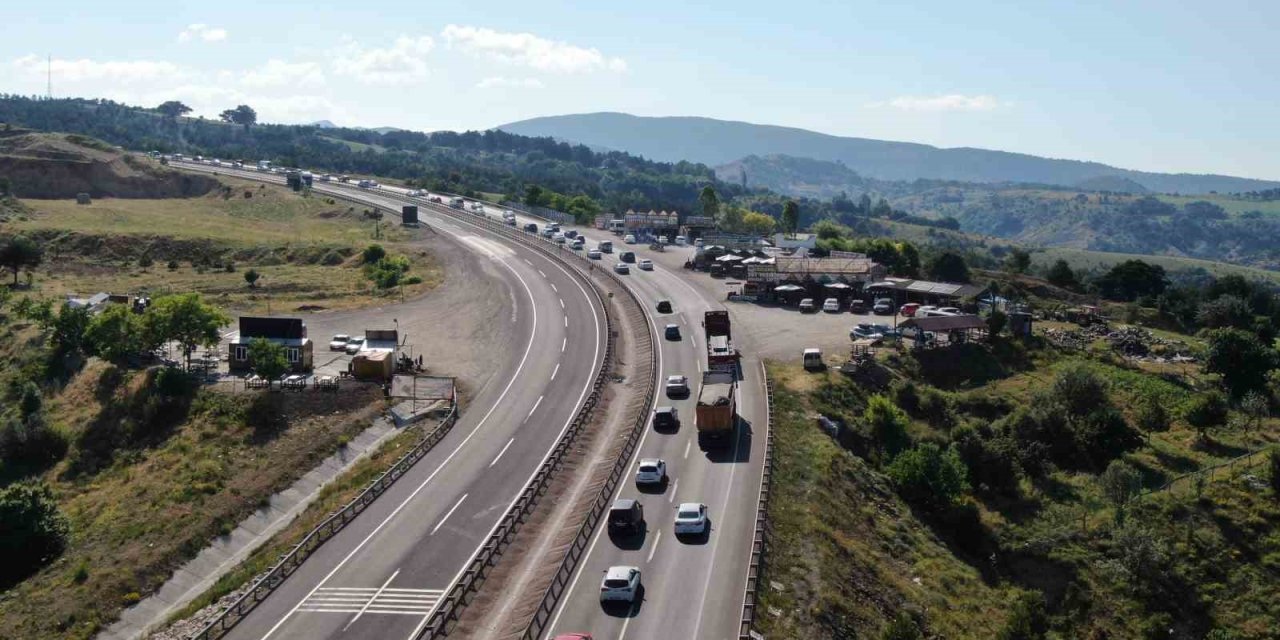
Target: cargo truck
x=715 y=415
x=721 y=354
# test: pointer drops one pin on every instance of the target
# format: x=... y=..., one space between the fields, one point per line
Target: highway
x=383 y=574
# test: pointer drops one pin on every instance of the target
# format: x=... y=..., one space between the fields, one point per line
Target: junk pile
x=1131 y=342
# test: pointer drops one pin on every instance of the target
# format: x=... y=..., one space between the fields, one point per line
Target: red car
x=909 y=309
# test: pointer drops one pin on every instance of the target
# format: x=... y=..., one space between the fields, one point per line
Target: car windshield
x=688 y=514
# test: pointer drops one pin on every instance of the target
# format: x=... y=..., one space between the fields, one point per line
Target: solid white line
x=675 y=485
x=566 y=322
x=504 y=450
x=687 y=445
x=403 y=612
x=656 y=539
x=535 y=407
x=446 y=516
x=557 y=370
x=563 y=343
x=371 y=599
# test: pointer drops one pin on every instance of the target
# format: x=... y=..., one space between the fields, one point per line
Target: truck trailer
x=715 y=416
x=721 y=354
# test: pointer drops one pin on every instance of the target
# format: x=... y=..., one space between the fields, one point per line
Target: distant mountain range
x=720 y=142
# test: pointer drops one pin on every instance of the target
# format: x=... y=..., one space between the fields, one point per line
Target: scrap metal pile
x=1129 y=341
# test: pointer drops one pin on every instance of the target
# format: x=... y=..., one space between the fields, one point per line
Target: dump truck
x=715 y=416
x=721 y=354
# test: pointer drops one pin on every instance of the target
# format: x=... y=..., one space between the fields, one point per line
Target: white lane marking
x=371 y=599
x=566 y=322
x=554 y=372
x=535 y=407
x=446 y=516
x=564 y=342
x=553 y=288
x=504 y=450
x=577 y=576
x=544 y=273
x=561 y=303
x=656 y=539
x=675 y=485
x=687 y=445
x=533 y=331
x=527 y=261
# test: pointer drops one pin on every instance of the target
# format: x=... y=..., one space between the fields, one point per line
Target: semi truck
x=715 y=415
x=721 y=354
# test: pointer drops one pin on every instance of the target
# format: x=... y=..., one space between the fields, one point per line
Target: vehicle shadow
x=697 y=539
x=630 y=541
x=619 y=609
x=654 y=488
x=738 y=451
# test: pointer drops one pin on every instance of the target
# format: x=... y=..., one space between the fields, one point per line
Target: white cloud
x=949 y=102
x=509 y=83
x=402 y=63
x=85 y=69
x=278 y=73
x=202 y=32
x=526 y=49
x=210 y=100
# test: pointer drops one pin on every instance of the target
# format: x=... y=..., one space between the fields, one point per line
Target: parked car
x=882 y=307
x=859 y=306
x=812 y=359
x=629 y=238
x=354 y=346
x=664 y=306
x=666 y=419
x=831 y=305
x=651 y=471
x=672 y=332
x=697 y=242
x=339 y=342
x=681 y=241
x=677 y=386
x=925 y=311
x=645 y=264
x=949 y=310
x=865 y=331
x=621 y=268
x=887 y=331
x=626 y=516
x=594 y=254
x=620 y=583
x=909 y=309
x=691 y=518
x=807 y=305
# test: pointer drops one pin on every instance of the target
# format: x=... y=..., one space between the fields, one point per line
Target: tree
x=173 y=109
x=757 y=224
x=948 y=267
x=1027 y=619
x=929 y=477
x=115 y=334
x=1079 y=390
x=32 y=530
x=1133 y=279
x=267 y=359
x=1018 y=260
x=69 y=329
x=888 y=425
x=1240 y=358
x=1120 y=483
x=830 y=229
x=533 y=196
x=1061 y=275
x=1151 y=416
x=186 y=319
x=251 y=277
x=790 y=217
x=243 y=115
x=1273 y=463
x=1226 y=311
x=1206 y=411
x=1255 y=408
x=995 y=324
x=710 y=202
x=19 y=252
x=372 y=254
x=909 y=260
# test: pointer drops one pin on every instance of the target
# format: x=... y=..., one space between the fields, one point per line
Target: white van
x=813 y=359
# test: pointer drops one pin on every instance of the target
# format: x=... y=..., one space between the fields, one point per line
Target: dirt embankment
x=197 y=251
x=50 y=165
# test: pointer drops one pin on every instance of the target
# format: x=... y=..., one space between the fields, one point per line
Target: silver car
x=620 y=583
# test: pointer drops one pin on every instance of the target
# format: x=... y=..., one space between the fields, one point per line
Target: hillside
x=802 y=177
x=717 y=142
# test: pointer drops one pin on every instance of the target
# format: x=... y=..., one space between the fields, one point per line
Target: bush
x=1273 y=462
x=332 y=259
x=888 y=425
x=929 y=477
x=1206 y=411
x=902 y=627
x=173 y=264
x=1079 y=390
x=1151 y=416
x=145 y=261
x=992 y=460
x=29 y=444
x=1027 y=619
x=373 y=254
x=32 y=530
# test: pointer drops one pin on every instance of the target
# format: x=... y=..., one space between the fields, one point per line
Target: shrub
x=1079 y=390
x=1206 y=411
x=331 y=259
x=1273 y=462
x=901 y=627
x=145 y=261
x=29 y=444
x=888 y=425
x=373 y=253
x=929 y=477
x=1120 y=482
x=173 y=264
x=992 y=460
x=1151 y=416
x=1027 y=619
x=32 y=530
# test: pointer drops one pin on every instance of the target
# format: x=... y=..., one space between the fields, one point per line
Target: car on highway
x=577 y=244
x=691 y=519
x=865 y=331
x=558 y=238
x=548 y=232
x=554 y=226
x=570 y=233
x=629 y=238
x=651 y=471
x=605 y=246
x=666 y=419
x=882 y=307
x=909 y=309
x=831 y=305
x=620 y=583
x=626 y=517
x=677 y=386
x=531 y=228
x=672 y=332
x=354 y=346
x=339 y=342
x=477 y=207
x=645 y=264
x=621 y=268
x=664 y=306
x=627 y=256
x=594 y=254
x=807 y=305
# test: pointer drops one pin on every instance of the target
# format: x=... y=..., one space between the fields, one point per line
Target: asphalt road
x=382 y=575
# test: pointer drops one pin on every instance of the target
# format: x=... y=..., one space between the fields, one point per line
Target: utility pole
x=49 y=74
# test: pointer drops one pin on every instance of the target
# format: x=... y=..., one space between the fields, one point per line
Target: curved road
x=382 y=575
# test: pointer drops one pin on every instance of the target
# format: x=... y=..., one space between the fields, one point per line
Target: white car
x=629 y=238
x=681 y=241
x=645 y=264
x=651 y=471
x=594 y=254
x=677 y=386
x=339 y=342
x=831 y=305
x=621 y=268
x=698 y=242
x=691 y=518
x=559 y=238
x=576 y=246
x=354 y=346
x=620 y=583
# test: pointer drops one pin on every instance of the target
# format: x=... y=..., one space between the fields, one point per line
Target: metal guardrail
x=760 y=541
x=322 y=533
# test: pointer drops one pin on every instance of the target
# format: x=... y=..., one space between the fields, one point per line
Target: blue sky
x=1160 y=86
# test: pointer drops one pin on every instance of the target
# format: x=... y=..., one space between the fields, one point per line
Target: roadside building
x=936 y=330
x=786 y=277
x=792 y=243
x=652 y=224
x=290 y=333
x=942 y=294
x=376 y=358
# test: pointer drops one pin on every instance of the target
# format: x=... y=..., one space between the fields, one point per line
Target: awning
x=729 y=257
x=836 y=285
x=788 y=287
